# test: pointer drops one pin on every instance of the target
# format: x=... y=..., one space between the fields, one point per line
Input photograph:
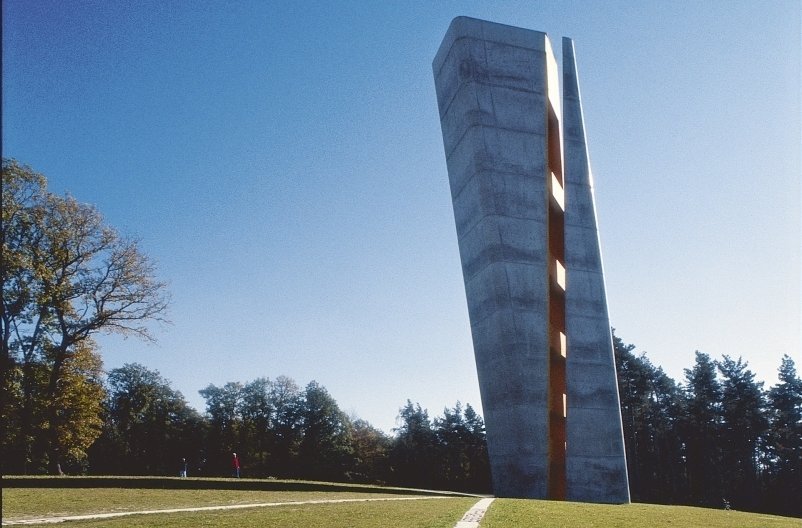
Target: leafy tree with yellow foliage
x=66 y=276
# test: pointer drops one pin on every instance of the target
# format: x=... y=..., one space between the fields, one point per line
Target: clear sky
x=282 y=163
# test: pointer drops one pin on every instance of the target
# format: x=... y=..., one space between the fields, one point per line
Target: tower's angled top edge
x=570 y=76
x=467 y=27
x=568 y=50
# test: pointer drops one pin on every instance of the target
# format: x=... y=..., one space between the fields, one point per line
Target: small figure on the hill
x=235 y=465
x=183 y=472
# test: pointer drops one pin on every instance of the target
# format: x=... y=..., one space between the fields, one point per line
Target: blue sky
x=282 y=163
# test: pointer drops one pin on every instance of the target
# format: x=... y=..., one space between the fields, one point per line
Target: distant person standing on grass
x=183 y=472
x=235 y=465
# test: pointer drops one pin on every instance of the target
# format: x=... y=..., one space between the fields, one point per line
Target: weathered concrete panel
x=497 y=193
x=595 y=457
x=505 y=285
x=590 y=297
x=607 y=444
x=591 y=474
x=491 y=83
x=586 y=254
x=586 y=337
x=511 y=337
x=498 y=150
x=590 y=392
x=499 y=238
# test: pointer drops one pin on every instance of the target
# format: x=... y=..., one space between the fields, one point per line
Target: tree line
x=68 y=276
x=717 y=439
x=280 y=430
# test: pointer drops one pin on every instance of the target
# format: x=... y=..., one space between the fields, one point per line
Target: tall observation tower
x=526 y=224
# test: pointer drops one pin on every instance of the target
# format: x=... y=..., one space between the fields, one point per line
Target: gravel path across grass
x=473 y=517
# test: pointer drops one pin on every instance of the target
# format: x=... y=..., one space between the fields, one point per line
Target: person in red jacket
x=235 y=465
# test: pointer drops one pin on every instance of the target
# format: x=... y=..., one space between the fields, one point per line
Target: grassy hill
x=301 y=506
x=509 y=513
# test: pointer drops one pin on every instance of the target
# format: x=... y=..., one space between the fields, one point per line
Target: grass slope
x=25 y=497
x=518 y=513
x=38 y=497
x=441 y=513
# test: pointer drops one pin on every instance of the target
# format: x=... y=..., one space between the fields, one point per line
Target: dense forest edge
x=718 y=438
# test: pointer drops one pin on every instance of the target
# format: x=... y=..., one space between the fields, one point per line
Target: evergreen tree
x=414 y=454
x=452 y=436
x=702 y=432
x=326 y=449
x=784 y=445
x=632 y=388
x=651 y=408
x=478 y=477
x=743 y=429
x=462 y=450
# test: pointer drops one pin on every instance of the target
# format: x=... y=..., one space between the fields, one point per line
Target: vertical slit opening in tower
x=557 y=332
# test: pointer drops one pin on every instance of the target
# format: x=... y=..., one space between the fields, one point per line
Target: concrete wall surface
x=493 y=92
x=492 y=95
x=595 y=457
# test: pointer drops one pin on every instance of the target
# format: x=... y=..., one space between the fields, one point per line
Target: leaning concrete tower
x=526 y=225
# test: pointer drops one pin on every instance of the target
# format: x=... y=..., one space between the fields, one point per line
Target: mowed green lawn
x=516 y=513
x=77 y=497
x=58 y=502
x=422 y=513
x=36 y=499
